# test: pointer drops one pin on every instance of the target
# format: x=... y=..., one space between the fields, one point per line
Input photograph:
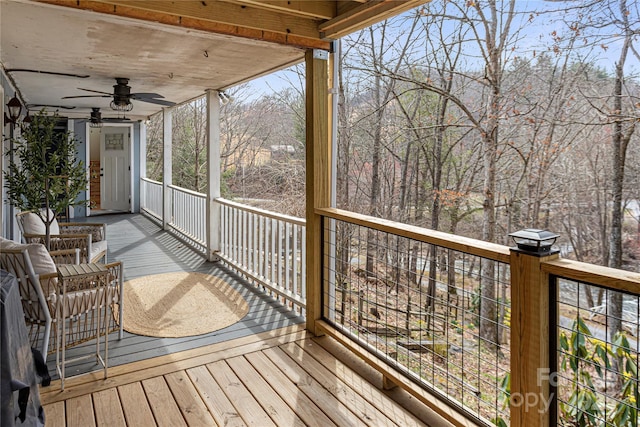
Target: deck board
x=135 y=406
x=324 y=398
x=164 y=407
x=193 y=409
x=108 y=410
x=262 y=392
x=55 y=414
x=219 y=405
x=264 y=370
x=306 y=409
x=356 y=382
x=248 y=408
x=79 y=412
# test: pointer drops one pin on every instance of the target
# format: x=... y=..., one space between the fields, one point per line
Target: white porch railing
x=188 y=214
x=267 y=247
x=188 y=210
x=151 y=197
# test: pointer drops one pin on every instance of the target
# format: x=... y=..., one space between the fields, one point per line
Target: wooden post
x=167 y=138
x=530 y=359
x=213 y=174
x=318 y=176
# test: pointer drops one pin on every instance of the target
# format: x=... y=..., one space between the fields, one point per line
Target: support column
x=318 y=176
x=143 y=149
x=530 y=340
x=213 y=174
x=142 y=167
x=167 y=138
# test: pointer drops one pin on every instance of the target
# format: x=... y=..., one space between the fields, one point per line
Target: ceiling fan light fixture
x=96 y=118
x=121 y=106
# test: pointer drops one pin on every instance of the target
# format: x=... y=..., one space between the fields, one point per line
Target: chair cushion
x=41 y=262
x=33 y=224
x=98 y=248
x=40 y=259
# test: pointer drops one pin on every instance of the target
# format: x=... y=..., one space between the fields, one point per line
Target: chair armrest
x=98 y=231
x=115 y=271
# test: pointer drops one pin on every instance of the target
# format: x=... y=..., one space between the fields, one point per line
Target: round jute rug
x=175 y=305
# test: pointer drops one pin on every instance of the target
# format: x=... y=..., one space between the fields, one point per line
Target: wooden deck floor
x=145 y=249
x=265 y=370
x=281 y=377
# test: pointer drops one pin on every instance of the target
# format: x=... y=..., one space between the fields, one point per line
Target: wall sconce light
x=27 y=119
x=15 y=108
x=224 y=98
x=534 y=241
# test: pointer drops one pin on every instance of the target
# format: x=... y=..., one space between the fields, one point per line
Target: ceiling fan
x=96 y=119
x=122 y=96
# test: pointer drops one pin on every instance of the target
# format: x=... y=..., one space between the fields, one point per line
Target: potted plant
x=45 y=172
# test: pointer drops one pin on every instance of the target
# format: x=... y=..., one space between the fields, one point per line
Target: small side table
x=75 y=278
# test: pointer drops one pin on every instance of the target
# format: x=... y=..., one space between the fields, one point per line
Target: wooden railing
x=594 y=346
x=267 y=247
x=369 y=299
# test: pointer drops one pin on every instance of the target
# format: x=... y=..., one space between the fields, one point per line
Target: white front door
x=115 y=174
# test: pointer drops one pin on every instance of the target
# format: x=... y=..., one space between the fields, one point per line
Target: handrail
x=187 y=191
x=265 y=213
x=467 y=245
x=612 y=278
x=150 y=180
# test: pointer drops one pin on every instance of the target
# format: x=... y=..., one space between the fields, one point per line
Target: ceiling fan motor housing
x=121 y=91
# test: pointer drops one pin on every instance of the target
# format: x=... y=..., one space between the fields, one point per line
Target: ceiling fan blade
x=53 y=73
x=157 y=101
x=87 y=96
x=96 y=91
x=116 y=119
x=140 y=95
x=50 y=106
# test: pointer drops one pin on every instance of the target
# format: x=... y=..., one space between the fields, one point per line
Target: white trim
x=213 y=174
x=167 y=166
x=130 y=160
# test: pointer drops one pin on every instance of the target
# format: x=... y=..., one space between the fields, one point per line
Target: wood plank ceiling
x=175 y=48
x=303 y=23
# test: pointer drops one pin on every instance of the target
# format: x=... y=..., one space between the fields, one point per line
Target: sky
x=538 y=30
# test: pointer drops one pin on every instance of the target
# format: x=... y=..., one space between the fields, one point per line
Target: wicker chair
x=35 y=269
x=89 y=238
